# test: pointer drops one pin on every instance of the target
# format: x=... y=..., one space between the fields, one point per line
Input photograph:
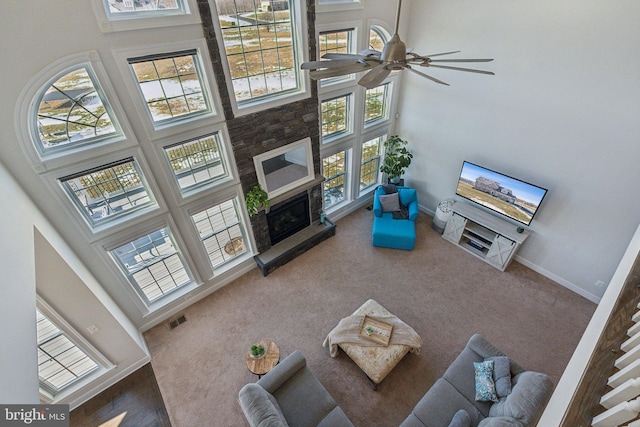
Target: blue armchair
x=395 y=233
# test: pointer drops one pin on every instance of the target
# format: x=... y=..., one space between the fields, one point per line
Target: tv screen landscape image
x=508 y=196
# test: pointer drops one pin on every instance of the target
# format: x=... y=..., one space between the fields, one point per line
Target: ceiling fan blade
x=426 y=75
x=350 y=56
x=341 y=71
x=318 y=65
x=440 y=54
x=374 y=77
x=470 y=70
x=461 y=60
x=371 y=52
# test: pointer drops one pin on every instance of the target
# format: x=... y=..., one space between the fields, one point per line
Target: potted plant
x=257 y=351
x=255 y=198
x=397 y=158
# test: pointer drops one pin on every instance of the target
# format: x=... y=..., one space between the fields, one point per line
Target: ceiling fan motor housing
x=394 y=52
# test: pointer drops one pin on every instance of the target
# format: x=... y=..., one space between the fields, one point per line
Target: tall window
x=221 y=232
x=370 y=164
x=171 y=85
x=197 y=162
x=72 y=112
x=153 y=264
x=334 y=170
x=259 y=40
x=108 y=192
x=60 y=361
x=337 y=41
x=336 y=115
x=376 y=104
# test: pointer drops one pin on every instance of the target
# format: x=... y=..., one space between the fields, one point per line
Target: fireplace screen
x=286 y=219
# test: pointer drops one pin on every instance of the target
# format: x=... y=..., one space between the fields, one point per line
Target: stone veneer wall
x=254 y=134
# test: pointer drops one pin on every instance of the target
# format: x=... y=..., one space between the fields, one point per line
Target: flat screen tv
x=503 y=194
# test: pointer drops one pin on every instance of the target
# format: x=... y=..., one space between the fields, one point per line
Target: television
x=511 y=197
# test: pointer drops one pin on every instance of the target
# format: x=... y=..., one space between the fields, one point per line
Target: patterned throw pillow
x=485 y=387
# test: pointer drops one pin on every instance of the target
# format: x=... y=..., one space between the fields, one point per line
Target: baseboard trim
x=559 y=280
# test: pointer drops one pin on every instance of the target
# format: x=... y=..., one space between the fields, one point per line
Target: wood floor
x=134 y=401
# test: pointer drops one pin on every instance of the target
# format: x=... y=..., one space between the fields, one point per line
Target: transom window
x=171 y=85
x=109 y=191
x=259 y=41
x=60 y=361
x=72 y=112
x=370 y=163
x=153 y=264
x=336 y=116
x=334 y=170
x=196 y=162
x=376 y=104
x=221 y=232
x=127 y=7
x=337 y=41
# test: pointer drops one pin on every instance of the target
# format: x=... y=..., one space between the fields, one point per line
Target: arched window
x=72 y=111
x=378 y=36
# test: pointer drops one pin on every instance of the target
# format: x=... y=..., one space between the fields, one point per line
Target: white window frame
x=137 y=21
x=352 y=120
x=185 y=196
x=27 y=109
x=200 y=205
x=95 y=232
x=382 y=132
x=159 y=130
x=349 y=79
x=338 y=5
x=109 y=243
x=348 y=172
x=104 y=365
x=301 y=51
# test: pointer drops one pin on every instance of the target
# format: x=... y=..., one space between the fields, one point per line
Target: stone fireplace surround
x=256 y=133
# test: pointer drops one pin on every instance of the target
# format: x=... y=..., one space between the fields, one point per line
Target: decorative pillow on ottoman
x=485 y=387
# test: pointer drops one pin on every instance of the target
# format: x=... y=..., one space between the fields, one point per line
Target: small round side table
x=267 y=362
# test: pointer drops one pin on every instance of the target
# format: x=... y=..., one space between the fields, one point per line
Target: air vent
x=177 y=322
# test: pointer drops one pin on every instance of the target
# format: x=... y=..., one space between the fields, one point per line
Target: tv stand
x=484 y=235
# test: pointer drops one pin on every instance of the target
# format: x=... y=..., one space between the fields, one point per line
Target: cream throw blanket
x=348 y=331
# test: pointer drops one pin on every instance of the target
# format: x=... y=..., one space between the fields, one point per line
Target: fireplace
x=287 y=218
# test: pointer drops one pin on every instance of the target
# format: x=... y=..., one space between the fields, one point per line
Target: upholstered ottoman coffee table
x=376 y=361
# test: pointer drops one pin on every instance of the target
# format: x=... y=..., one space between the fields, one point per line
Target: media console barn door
x=486 y=236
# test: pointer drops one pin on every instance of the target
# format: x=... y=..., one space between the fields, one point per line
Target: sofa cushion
x=260 y=407
x=336 y=418
x=389 y=202
x=461 y=419
x=303 y=399
x=501 y=375
x=407 y=195
x=500 y=422
x=529 y=396
x=485 y=387
x=436 y=407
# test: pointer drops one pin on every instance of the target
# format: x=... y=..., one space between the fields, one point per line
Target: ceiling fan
x=394 y=57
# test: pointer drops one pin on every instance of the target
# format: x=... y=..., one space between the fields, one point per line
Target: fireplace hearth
x=288 y=218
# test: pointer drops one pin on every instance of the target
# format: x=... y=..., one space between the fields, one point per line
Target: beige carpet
x=443 y=292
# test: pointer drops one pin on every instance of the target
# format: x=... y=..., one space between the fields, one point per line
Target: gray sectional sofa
x=530 y=392
x=290 y=395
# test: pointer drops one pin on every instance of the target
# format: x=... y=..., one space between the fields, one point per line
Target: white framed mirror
x=285 y=168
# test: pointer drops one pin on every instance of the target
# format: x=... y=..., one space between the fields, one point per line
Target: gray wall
x=561 y=112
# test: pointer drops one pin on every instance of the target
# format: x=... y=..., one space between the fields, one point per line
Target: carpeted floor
x=443 y=292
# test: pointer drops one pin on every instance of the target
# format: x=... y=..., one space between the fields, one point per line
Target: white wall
x=18 y=367
x=562 y=112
